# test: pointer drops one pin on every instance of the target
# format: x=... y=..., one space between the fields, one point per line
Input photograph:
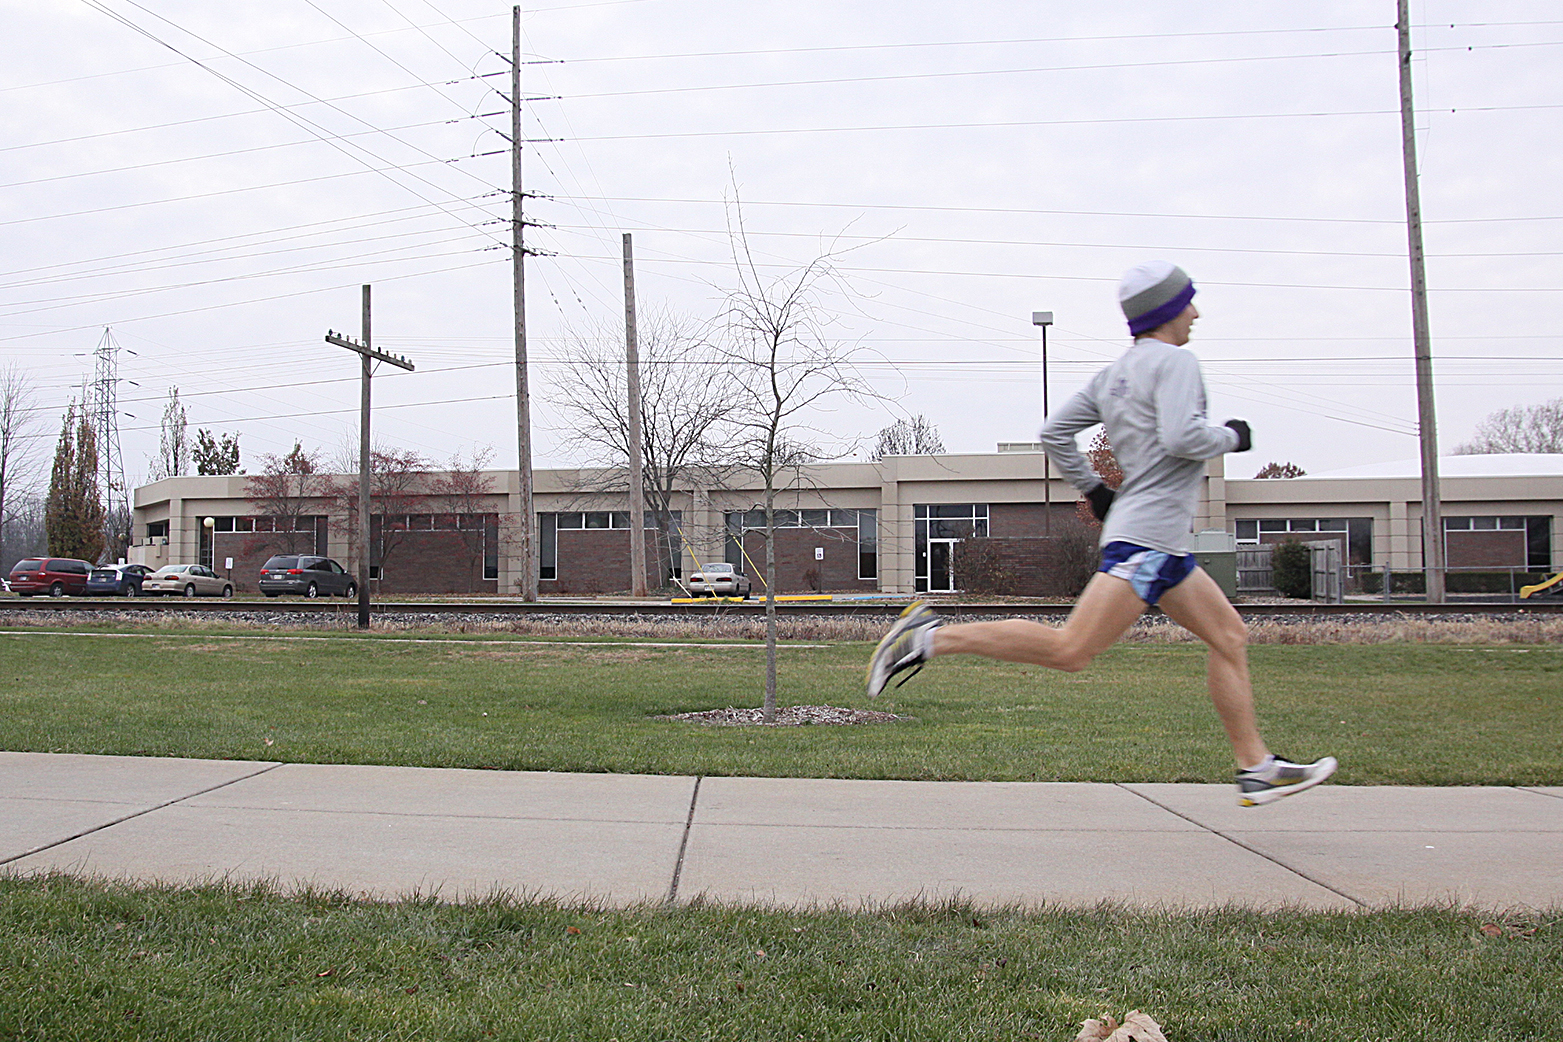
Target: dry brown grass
x=1473 y=628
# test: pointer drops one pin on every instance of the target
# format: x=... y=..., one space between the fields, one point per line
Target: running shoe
x=1276 y=778
x=905 y=647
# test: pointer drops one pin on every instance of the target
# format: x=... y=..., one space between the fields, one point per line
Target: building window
x=157 y=529
x=867 y=543
x=862 y=524
x=548 y=543
x=1358 y=532
x=491 y=546
x=1538 y=534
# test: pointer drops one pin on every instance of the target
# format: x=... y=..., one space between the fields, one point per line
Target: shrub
x=979 y=568
x=1291 y=567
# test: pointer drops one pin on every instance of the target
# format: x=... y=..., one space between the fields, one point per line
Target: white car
x=186 y=580
x=719 y=579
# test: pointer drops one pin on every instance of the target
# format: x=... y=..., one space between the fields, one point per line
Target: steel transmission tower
x=104 y=409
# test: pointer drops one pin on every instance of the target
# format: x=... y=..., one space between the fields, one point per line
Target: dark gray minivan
x=306 y=576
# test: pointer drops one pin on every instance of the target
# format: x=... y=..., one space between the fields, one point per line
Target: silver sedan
x=186 y=580
x=719 y=579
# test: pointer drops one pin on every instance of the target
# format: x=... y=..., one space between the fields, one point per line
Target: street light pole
x=1045 y=319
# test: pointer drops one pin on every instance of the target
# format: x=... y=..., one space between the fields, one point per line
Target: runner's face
x=1179 y=328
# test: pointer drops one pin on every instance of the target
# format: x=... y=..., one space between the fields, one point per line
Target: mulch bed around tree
x=790 y=716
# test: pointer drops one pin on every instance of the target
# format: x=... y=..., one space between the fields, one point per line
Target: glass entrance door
x=941 y=565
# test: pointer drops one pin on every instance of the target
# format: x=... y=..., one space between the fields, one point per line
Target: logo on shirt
x=1120 y=388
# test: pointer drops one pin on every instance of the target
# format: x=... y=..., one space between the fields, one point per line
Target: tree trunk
x=770 y=601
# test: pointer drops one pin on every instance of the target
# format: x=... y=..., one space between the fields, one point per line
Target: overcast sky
x=213 y=183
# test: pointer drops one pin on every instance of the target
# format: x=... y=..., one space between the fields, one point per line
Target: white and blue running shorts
x=1151 y=572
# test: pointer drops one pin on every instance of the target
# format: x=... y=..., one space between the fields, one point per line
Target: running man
x=1152 y=403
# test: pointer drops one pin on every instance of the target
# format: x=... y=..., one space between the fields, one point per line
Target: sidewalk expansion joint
x=136 y=814
x=1337 y=891
x=1539 y=792
x=683 y=843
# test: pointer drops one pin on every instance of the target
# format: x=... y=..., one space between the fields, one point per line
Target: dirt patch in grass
x=791 y=716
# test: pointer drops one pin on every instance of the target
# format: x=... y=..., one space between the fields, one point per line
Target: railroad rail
x=154 y=606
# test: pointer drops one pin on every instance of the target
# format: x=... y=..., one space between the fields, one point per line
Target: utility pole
x=1427 y=417
x=366 y=352
x=527 y=527
x=637 y=483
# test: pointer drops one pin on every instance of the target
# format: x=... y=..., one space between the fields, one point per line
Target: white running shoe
x=905 y=647
x=1276 y=778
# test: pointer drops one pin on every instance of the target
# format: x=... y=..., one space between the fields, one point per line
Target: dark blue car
x=117 y=580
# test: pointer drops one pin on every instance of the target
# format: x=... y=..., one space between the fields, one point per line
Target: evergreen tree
x=74 y=515
x=213 y=456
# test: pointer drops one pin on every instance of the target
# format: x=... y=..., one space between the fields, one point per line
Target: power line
x=309 y=125
x=1034 y=211
x=1012 y=124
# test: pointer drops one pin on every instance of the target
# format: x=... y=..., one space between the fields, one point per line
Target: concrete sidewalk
x=623 y=839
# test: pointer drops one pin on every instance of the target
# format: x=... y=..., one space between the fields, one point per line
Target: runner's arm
x=1181 y=424
x=1058 y=440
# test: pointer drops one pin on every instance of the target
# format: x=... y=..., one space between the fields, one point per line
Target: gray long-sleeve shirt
x=1152 y=402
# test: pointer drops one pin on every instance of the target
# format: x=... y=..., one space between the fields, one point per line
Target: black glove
x=1245 y=440
x=1101 y=500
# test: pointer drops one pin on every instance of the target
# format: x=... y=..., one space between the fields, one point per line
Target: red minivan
x=55 y=576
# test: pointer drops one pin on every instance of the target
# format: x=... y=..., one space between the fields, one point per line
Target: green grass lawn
x=87 y=961
x=1393 y=713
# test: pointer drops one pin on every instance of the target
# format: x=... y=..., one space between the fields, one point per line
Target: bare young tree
x=1522 y=428
x=173 y=440
x=784 y=365
x=397 y=480
x=685 y=403
x=19 y=449
x=284 y=493
x=913 y=437
x=463 y=494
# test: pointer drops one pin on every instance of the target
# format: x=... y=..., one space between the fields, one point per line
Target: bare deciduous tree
x=19 y=449
x=913 y=437
x=462 y=493
x=784 y=365
x=284 y=493
x=685 y=402
x=397 y=480
x=1523 y=428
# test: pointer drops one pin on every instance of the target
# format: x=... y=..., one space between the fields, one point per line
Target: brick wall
x=1025 y=520
x=1489 y=549
x=435 y=562
x=796 y=569
x=1033 y=565
x=597 y=560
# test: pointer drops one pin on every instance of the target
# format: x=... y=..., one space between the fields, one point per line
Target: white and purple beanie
x=1153 y=293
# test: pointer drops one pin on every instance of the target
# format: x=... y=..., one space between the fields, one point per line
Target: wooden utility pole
x=637 y=482
x=526 y=527
x=1427 y=418
x=366 y=353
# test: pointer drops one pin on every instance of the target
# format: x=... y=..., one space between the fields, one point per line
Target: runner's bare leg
x=1198 y=605
x=1105 y=610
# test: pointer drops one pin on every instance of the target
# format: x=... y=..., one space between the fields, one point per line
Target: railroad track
x=154 y=606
